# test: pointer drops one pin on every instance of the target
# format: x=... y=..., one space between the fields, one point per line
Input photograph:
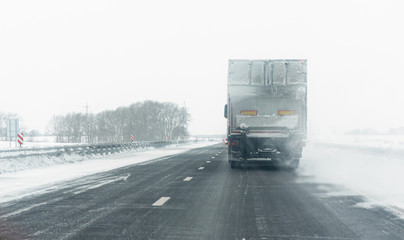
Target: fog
x=56 y=57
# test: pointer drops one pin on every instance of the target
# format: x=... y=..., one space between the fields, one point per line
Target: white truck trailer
x=266 y=111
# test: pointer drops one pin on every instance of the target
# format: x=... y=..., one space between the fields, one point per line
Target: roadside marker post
x=20 y=139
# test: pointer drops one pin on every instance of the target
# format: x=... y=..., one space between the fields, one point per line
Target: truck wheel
x=234 y=164
x=295 y=163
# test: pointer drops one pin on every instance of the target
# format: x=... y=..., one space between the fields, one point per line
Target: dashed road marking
x=207 y=161
x=187 y=179
x=213 y=157
x=161 y=201
x=201 y=168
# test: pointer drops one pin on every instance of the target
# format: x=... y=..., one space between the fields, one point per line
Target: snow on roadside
x=390 y=142
x=379 y=176
x=16 y=185
x=8 y=165
x=18 y=164
x=5 y=145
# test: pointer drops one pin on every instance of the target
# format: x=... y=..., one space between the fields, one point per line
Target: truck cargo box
x=266 y=109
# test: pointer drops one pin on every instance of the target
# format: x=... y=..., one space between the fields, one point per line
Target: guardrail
x=81 y=149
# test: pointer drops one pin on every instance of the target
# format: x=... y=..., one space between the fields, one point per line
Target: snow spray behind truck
x=266 y=111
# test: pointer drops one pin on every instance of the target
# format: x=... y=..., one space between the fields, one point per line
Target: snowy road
x=194 y=195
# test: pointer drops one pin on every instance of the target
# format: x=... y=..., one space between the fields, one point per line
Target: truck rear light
x=286 y=112
x=234 y=145
x=248 y=112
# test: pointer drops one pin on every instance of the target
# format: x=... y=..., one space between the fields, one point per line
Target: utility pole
x=86 y=124
x=184 y=115
x=86 y=107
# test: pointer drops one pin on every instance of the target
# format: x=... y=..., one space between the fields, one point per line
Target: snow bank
x=18 y=164
x=365 y=168
x=15 y=185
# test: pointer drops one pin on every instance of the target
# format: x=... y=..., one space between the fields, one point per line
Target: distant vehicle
x=266 y=111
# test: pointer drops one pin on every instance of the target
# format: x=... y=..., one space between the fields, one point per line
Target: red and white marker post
x=132 y=138
x=20 y=139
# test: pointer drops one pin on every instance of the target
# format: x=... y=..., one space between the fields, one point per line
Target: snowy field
x=384 y=142
x=39 y=178
x=33 y=142
x=372 y=166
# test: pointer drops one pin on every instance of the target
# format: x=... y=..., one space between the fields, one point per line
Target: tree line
x=146 y=121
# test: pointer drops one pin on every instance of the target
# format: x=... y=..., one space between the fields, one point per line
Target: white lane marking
x=201 y=168
x=161 y=201
x=217 y=154
x=213 y=157
x=187 y=179
x=207 y=161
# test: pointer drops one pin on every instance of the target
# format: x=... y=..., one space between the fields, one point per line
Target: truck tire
x=295 y=163
x=234 y=164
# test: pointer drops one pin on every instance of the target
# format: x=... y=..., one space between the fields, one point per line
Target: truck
x=266 y=111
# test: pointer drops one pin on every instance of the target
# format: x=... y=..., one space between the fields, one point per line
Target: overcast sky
x=57 y=56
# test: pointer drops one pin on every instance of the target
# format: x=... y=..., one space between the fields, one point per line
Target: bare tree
x=147 y=121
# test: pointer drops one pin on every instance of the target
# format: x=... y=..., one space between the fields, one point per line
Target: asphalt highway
x=195 y=195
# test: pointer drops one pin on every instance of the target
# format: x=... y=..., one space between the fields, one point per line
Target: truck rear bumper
x=279 y=162
x=267 y=134
x=255 y=157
